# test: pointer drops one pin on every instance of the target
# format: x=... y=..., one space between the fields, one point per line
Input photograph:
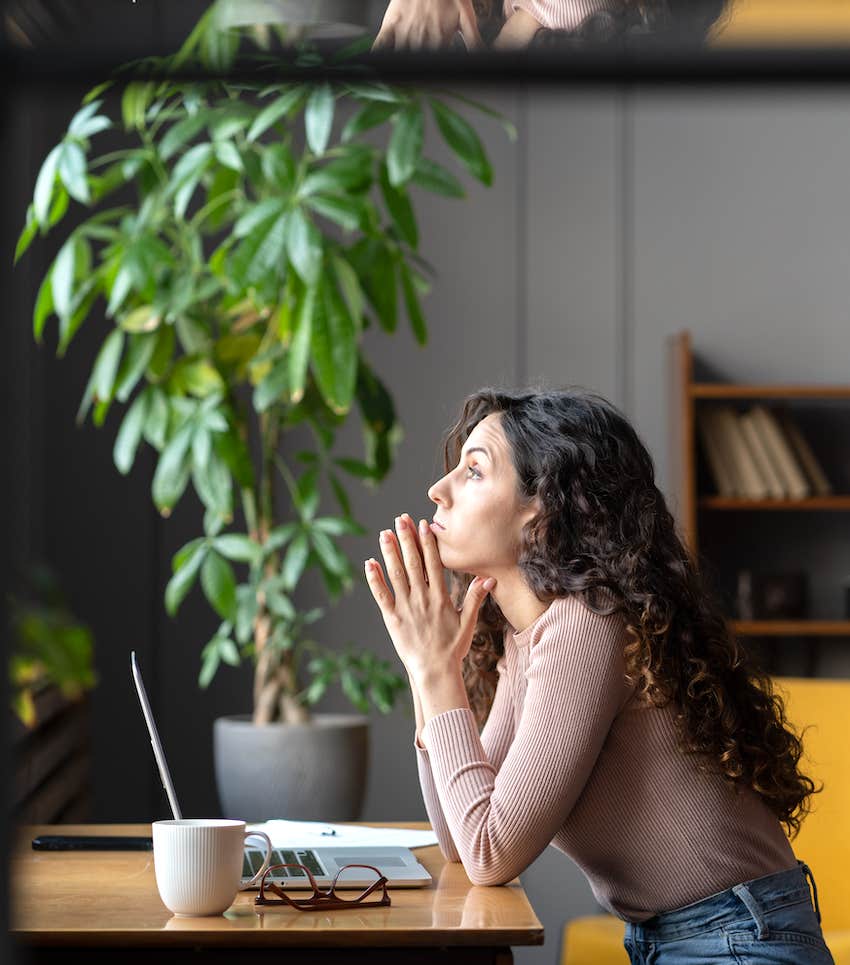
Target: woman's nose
x=435 y=492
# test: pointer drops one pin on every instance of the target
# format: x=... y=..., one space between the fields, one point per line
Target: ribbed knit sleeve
x=559 y=14
x=501 y=820
x=496 y=738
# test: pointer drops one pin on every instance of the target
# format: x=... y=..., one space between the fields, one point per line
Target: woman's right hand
x=414 y=24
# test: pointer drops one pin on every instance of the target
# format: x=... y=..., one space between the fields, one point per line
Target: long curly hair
x=604 y=532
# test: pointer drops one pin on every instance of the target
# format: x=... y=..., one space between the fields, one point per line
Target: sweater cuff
x=453 y=737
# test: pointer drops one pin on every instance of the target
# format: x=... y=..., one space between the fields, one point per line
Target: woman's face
x=478 y=507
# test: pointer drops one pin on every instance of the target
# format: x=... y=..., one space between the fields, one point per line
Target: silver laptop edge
x=158 y=752
x=324 y=855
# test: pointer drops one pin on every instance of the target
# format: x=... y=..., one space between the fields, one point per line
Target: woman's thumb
x=475 y=596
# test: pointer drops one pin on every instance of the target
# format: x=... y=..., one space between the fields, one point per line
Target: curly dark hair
x=604 y=532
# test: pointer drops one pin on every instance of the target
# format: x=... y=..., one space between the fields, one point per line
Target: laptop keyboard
x=252 y=861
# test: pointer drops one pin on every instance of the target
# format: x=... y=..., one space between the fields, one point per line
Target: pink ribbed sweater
x=570 y=757
x=559 y=14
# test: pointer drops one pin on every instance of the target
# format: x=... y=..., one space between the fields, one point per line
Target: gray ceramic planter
x=301 y=772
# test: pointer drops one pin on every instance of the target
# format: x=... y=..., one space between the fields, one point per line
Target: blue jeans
x=766 y=921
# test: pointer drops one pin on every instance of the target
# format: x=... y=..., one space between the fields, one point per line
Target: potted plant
x=265 y=237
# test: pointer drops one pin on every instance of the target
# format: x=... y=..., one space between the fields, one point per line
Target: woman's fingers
x=433 y=563
x=377 y=584
x=410 y=551
x=394 y=564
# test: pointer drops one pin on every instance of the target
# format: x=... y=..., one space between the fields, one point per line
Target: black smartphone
x=91 y=842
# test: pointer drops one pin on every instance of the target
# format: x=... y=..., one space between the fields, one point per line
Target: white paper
x=317 y=834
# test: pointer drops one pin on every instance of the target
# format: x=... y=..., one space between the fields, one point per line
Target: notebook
x=398 y=865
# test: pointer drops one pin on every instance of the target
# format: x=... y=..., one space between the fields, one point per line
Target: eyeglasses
x=322 y=898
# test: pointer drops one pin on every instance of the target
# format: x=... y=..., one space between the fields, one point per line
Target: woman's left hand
x=428 y=633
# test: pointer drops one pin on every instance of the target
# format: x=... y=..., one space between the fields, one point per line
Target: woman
x=624 y=723
x=513 y=24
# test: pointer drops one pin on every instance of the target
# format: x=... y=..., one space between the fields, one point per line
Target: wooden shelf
x=782 y=628
x=812 y=502
x=733 y=390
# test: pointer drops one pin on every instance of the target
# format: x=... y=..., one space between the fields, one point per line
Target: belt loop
x=807 y=872
x=744 y=893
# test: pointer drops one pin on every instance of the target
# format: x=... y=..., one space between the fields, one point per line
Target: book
x=751 y=483
x=775 y=487
x=724 y=481
x=812 y=468
x=781 y=453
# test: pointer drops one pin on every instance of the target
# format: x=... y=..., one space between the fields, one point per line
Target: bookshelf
x=700 y=507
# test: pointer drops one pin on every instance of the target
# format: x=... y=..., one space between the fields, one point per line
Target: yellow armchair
x=824 y=838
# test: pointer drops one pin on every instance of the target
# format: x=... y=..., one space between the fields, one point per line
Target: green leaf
x=349 y=285
x=237 y=547
x=106 y=365
x=72 y=171
x=257 y=214
x=333 y=347
x=226 y=153
x=340 y=494
x=137 y=359
x=298 y=357
x=201 y=450
x=376 y=92
x=62 y=277
x=172 y=471
x=463 y=140
x=44 y=185
x=27 y=235
x=210 y=658
x=345 y=211
x=145 y=318
x=181 y=132
x=376 y=269
x=295 y=560
x=219 y=585
x=84 y=123
x=306 y=496
x=400 y=209
x=435 y=178
x=370 y=116
x=272 y=387
x=335 y=526
x=228 y=651
x=130 y=434
x=411 y=301
x=318 y=118
x=405 y=145
x=304 y=246
x=213 y=484
x=261 y=253
x=43 y=306
x=279 y=536
x=183 y=578
x=119 y=291
x=355 y=467
x=134 y=103
x=349 y=174
x=156 y=423
x=284 y=105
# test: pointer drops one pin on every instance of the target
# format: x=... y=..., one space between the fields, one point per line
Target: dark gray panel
x=572 y=255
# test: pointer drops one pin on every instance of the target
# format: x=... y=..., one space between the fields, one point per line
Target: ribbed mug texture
x=198 y=864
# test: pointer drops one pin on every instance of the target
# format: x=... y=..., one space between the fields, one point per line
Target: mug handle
x=266 y=862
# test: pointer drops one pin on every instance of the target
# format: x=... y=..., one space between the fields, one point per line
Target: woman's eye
x=474 y=471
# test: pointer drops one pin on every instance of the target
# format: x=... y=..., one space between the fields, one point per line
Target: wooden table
x=106 y=902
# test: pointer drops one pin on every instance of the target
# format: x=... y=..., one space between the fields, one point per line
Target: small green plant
x=49 y=645
x=264 y=238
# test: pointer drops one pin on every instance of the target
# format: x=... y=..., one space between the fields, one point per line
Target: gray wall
x=618 y=218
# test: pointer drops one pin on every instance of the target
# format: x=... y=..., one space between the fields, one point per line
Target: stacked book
x=759 y=454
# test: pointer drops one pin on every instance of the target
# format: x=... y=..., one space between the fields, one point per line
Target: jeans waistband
x=753 y=897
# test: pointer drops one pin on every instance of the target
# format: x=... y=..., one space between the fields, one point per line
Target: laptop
x=397 y=864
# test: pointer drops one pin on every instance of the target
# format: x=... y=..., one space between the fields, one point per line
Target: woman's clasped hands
x=429 y=634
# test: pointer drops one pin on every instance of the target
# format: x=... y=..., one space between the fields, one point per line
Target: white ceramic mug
x=198 y=863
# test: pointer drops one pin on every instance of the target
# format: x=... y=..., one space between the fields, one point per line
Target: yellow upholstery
x=789 y=23
x=824 y=838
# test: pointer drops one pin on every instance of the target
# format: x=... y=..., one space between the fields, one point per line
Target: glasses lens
x=356 y=881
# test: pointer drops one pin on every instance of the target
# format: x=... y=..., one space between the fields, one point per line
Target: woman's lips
x=436 y=527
